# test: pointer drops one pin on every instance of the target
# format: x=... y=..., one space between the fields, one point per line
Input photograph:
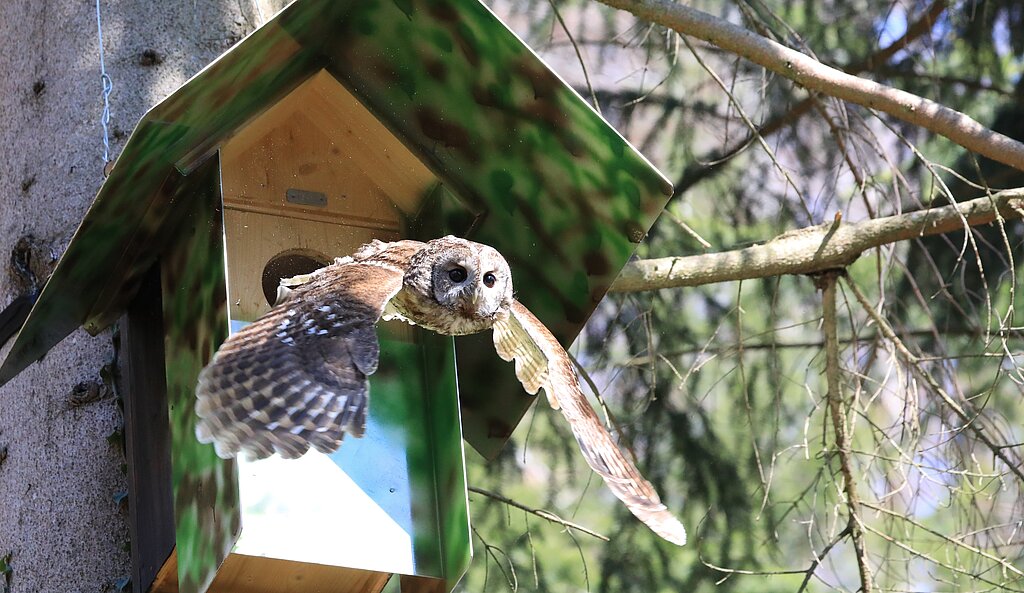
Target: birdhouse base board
x=252 y=574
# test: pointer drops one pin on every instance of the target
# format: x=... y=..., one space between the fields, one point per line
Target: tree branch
x=546 y=515
x=710 y=164
x=812 y=74
x=643 y=360
x=818 y=558
x=816 y=248
x=922 y=25
x=840 y=425
x=951 y=540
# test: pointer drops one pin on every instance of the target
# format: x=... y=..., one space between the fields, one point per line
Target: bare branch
x=579 y=54
x=952 y=540
x=953 y=567
x=701 y=169
x=816 y=248
x=818 y=558
x=972 y=421
x=807 y=572
x=922 y=25
x=812 y=74
x=840 y=424
x=546 y=515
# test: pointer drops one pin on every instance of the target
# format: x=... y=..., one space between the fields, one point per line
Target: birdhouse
x=335 y=123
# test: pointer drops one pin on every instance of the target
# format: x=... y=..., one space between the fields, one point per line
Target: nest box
x=335 y=123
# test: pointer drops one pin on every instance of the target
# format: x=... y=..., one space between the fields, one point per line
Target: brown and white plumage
x=297 y=377
x=541 y=362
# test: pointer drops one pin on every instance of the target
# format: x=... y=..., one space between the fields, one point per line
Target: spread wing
x=297 y=377
x=541 y=362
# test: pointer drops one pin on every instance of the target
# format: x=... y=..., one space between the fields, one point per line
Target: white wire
x=108 y=86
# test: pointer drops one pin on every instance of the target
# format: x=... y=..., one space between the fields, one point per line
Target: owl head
x=470 y=281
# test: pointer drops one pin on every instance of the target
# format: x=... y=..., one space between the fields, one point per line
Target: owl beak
x=476 y=305
x=475 y=299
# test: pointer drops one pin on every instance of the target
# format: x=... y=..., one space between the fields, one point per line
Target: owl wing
x=540 y=361
x=297 y=376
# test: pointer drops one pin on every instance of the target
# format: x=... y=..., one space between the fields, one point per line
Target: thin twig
x=609 y=418
x=510 y=577
x=688 y=229
x=956 y=542
x=973 y=575
x=818 y=558
x=807 y=572
x=741 y=571
x=738 y=106
x=643 y=360
x=971 y=422
x=546 y=515
x=579 y=54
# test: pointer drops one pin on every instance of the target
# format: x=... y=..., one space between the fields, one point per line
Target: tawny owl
x=297 y=377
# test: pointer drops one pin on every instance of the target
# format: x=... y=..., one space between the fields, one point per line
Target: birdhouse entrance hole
x=287 y=265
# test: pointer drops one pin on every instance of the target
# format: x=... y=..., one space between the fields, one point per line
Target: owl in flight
x=297 y=377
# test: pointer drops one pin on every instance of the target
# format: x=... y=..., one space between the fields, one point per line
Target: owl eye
x=457 y=275
x=489 y=279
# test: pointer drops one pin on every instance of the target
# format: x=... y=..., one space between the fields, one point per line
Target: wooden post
x=147 y=434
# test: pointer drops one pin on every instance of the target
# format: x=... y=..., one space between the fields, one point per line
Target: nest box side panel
x=195 y=323
x=449 y=460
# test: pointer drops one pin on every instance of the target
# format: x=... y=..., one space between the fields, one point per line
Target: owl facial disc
x=460 y=286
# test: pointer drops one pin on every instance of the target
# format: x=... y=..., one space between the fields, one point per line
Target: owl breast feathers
x=297 y=377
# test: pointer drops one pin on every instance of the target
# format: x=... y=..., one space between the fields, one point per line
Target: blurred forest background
x=720 y=390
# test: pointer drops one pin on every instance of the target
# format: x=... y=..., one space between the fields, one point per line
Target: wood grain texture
x=413 y=584
x=147 y=433
x=253 y=574
x=317 y=139
x=253 y=239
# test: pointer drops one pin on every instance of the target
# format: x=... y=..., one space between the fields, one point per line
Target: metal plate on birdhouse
x=304 y=197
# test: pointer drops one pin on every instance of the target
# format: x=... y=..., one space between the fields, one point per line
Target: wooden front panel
x=254 y=238
x=316 y=174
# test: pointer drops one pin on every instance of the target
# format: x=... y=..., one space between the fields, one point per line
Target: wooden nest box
x=335 y=123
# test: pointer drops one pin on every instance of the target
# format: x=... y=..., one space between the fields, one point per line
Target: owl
x=297 y=377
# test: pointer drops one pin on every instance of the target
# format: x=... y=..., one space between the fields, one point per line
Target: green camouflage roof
x=527 y=166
